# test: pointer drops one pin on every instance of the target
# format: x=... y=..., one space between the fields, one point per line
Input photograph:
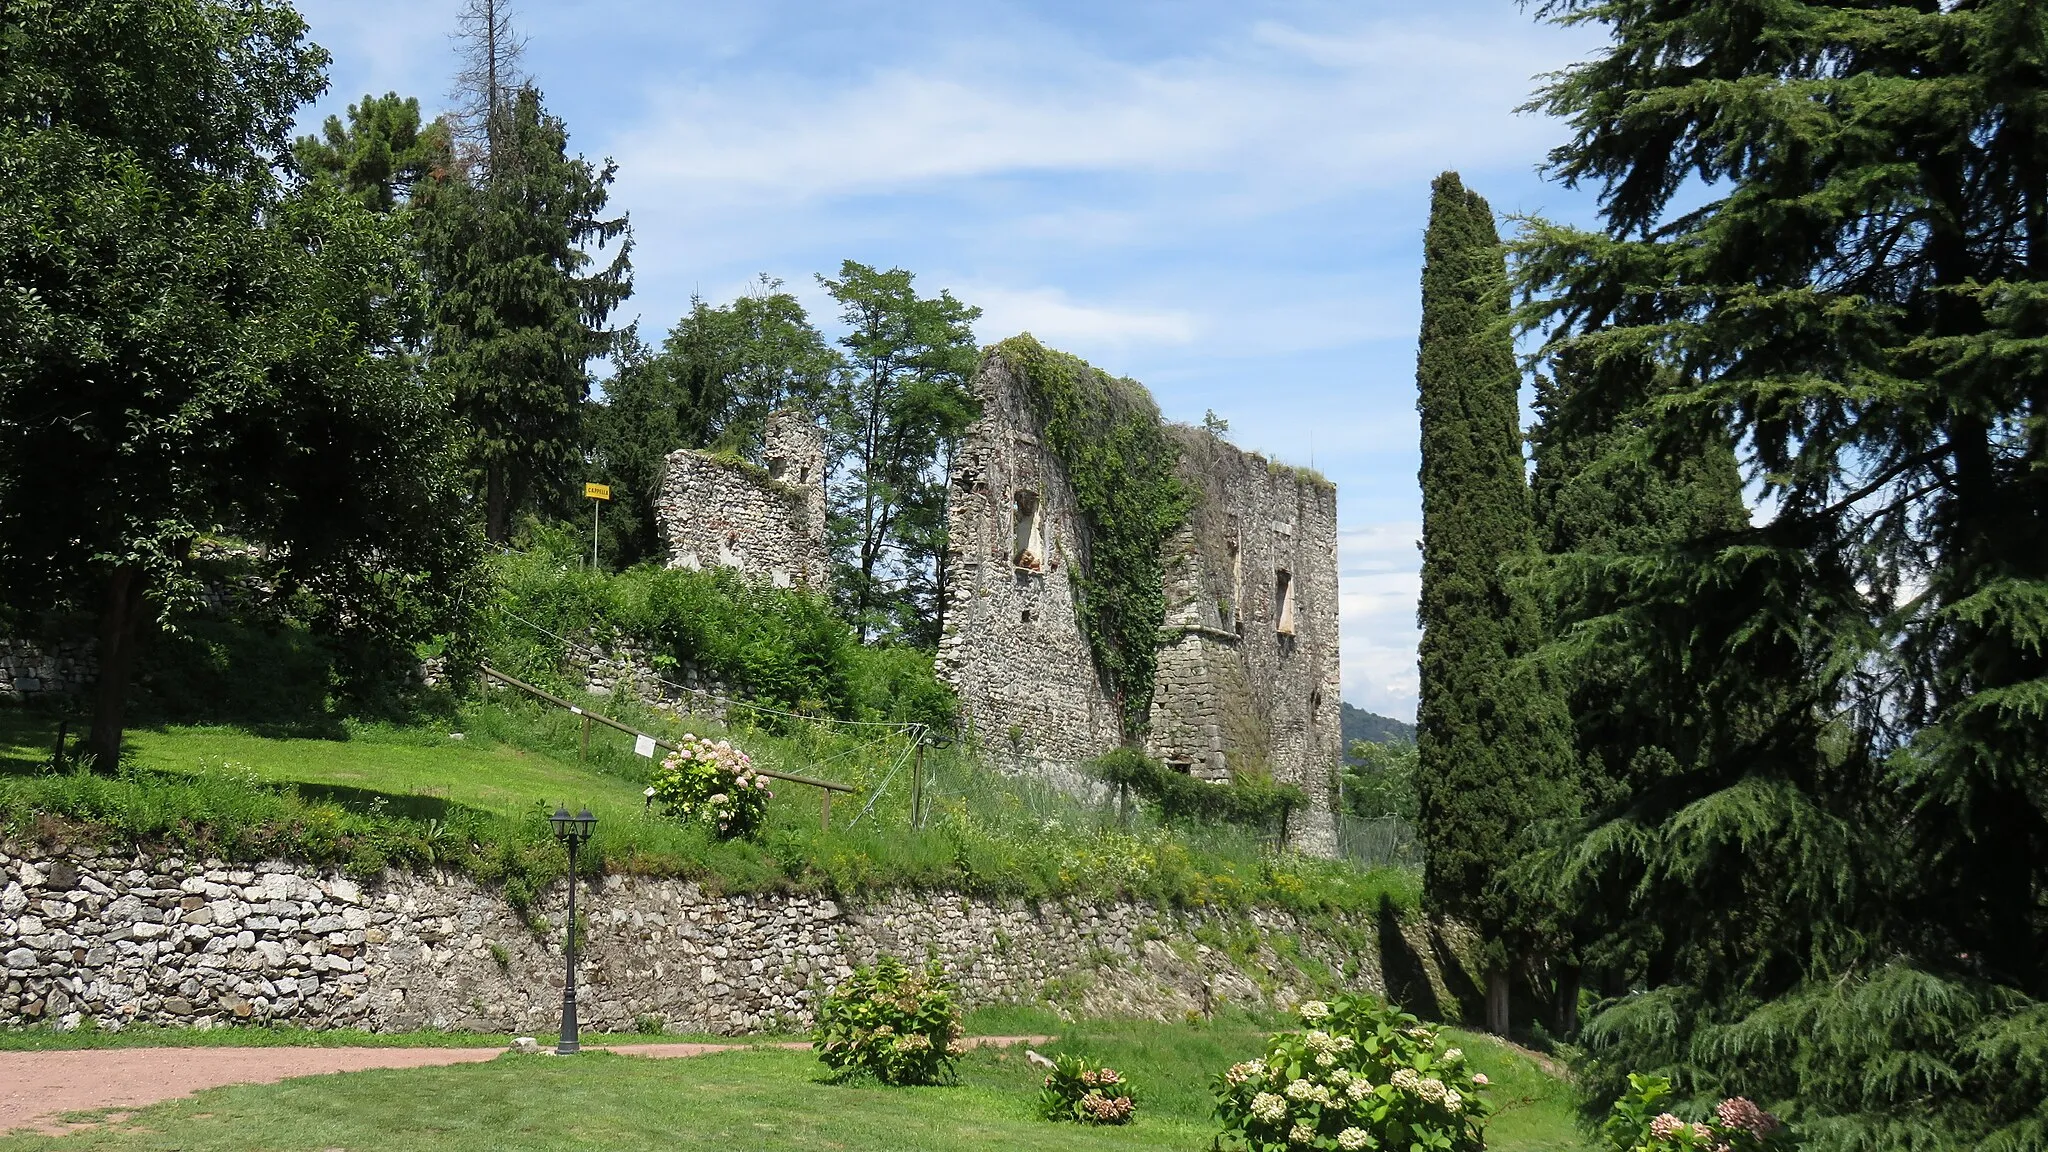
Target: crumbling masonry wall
x=1248 y=678
x=766 y=522
x=1248 y=669
x=1013 y=649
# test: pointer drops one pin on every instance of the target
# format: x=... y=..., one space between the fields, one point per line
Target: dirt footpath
x=36 y=1088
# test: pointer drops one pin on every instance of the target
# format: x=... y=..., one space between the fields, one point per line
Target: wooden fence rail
x=825 y=787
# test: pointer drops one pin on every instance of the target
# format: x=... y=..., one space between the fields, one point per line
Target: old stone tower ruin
x=1248 y=678
x=718 y=510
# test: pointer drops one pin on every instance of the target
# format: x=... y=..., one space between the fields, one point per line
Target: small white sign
x=643 y=746
x=574 y=709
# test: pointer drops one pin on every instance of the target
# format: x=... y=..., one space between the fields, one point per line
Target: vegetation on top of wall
x=781 y=647
x=1120 y=462
x=1248 y=800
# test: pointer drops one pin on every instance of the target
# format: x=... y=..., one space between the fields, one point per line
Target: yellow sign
x=598 y=491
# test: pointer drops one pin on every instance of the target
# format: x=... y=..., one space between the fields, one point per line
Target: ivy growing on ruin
x=1107 y=433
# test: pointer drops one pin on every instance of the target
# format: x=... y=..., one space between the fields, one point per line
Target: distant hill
x=1373 y=727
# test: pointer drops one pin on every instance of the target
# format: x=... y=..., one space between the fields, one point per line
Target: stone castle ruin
x=1247 y=680
x=716 y=510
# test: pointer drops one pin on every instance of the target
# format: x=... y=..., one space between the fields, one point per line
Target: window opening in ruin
x=803 y=474
x=777 y=465
x=1029 y=545
x=1184 y=767
x=1283 y=602
x=1233 y=616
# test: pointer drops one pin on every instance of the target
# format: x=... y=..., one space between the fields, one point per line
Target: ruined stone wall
x=1238 y=689
x=1013 y=649
x=767 y=522
x=1247 y=680
x=121 y=939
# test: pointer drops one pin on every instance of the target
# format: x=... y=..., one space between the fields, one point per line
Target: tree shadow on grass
x=371 y=802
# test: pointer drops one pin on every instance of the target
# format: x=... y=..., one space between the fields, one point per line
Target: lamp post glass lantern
x=573 y=832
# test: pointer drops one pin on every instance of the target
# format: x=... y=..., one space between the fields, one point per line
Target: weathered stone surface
x=29 y=669
x=766 y=522
x=438 y=950
x=1248 y=675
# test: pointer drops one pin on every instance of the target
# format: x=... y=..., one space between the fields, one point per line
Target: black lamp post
x=572 y=831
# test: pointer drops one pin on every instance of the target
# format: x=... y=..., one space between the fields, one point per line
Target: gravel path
x=38 y=1087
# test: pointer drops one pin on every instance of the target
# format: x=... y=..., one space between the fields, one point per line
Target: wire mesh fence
x=1378 y=842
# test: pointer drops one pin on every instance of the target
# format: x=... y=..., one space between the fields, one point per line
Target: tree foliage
x=1830 y=869
x=519 y=303
x=193 y=345
x=901 y=403
x=1494 y=761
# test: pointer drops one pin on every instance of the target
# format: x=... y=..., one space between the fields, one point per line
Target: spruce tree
x=1493 y=756
x=520 y=303
x=1831 y=884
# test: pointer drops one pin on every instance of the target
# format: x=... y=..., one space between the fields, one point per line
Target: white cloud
x=1379 y=579
x=1377 y=106
x=1050 y=315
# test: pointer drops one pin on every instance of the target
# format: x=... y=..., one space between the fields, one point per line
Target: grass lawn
x=758 y=1099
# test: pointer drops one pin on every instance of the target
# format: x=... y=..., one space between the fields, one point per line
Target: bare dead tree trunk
x=120 y=628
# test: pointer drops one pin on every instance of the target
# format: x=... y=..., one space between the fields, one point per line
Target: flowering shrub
x=1361 y=1075
x=1638 y=1124
x=714 y=784
x=1075 y=1091
x=891 y=1022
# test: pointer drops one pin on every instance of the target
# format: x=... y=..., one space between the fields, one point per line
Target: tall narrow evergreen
x=1494 y=759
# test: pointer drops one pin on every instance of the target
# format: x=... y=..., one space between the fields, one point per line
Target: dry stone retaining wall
x=120 y=939
x=29 y=670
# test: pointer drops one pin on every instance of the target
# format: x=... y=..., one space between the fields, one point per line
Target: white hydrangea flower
x=1313 y=1010
x=1341 y=1077
x=1431 y=1090
x=1354 y=1138
x=1300 y=1090
x=1454 y=1054
x=1301 y=1134
x=1406 y=1079
x=1358 y=1089
x=1325 y=1059
x=1453 y=1102
x=1268 y=1107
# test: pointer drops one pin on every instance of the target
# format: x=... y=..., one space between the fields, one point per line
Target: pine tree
x=1832 y=880
x=1493 y=756
x=518 y=308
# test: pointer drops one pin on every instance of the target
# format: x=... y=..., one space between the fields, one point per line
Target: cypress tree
x=1831 y=887
x=1493 y=758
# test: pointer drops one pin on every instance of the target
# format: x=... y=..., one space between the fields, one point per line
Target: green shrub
x=714 y=784
x=1250 y=802
x=1638 y=1124
x=1075 y=1090
x=1362 y=1075
x=781 y=647
x=891 y=1022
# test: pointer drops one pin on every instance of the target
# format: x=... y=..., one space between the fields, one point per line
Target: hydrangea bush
x=714 y=784
x=1076 y=1090
x=1359 y=1075
x=1638 y=1123
x=890 y=1021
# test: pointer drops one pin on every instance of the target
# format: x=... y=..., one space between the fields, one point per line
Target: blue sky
x=1224 y=200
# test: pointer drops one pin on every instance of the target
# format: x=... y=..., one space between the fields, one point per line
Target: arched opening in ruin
x=1283 y=602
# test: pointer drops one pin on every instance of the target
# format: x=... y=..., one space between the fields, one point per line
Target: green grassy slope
x=769 y=1100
